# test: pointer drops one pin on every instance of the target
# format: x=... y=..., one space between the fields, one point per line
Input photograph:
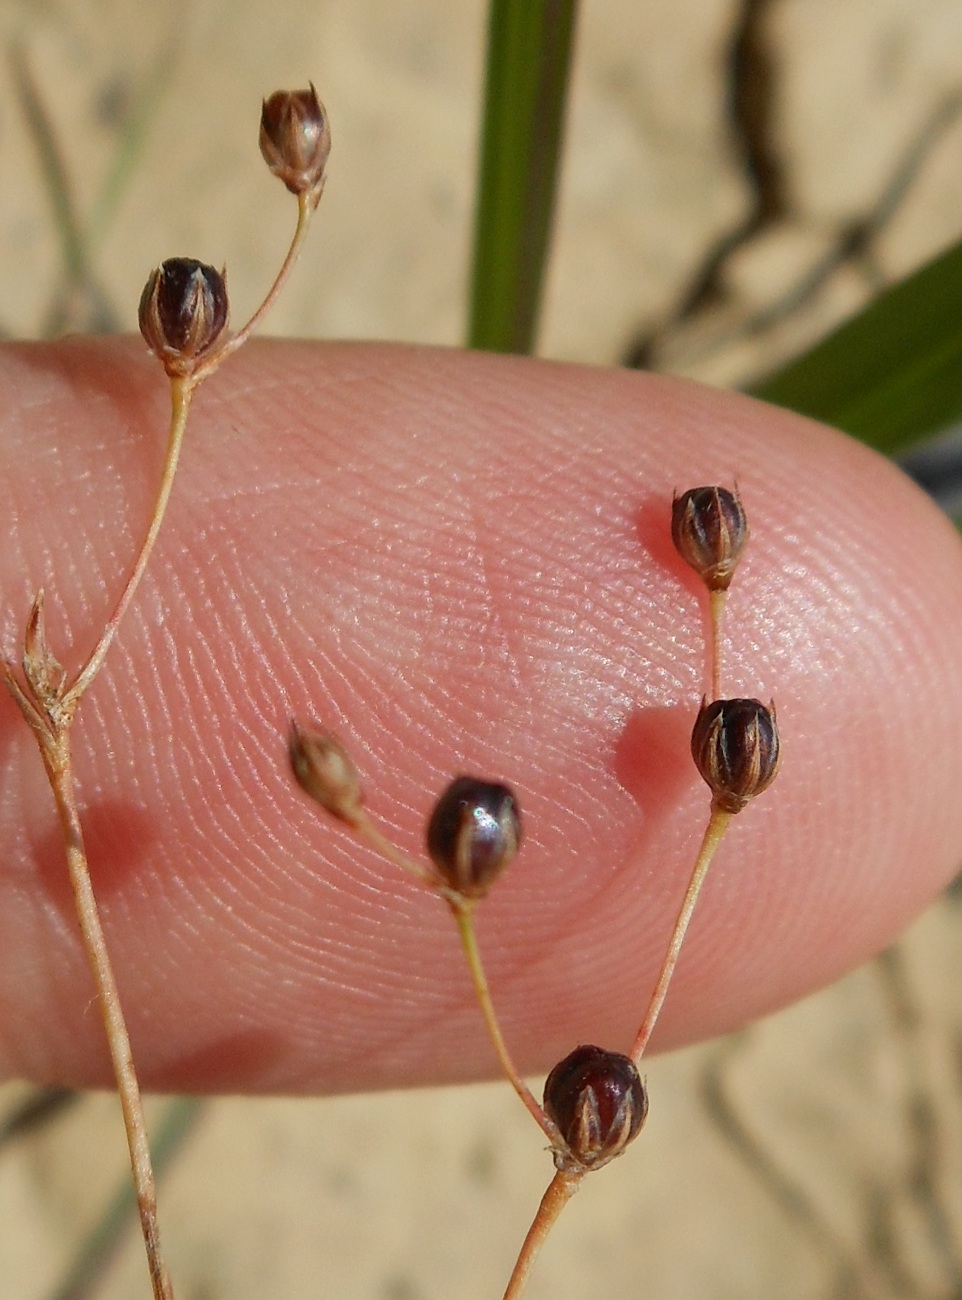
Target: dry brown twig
x=594 y=1100
x=183 y=316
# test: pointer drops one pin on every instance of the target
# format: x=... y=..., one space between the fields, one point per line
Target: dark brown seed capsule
x=736 y=749
x=295 y=139
x=324 y=770
x=599 y=1103
x=473 y=834
x=709 y=529
x=183 y=312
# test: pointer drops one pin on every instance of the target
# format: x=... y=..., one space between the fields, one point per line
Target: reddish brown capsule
x=183 y=312
x=324 y=770
x=709 y=529
x=736 y=749
x=599 y=1103
x=295 y=139
x=473 y=834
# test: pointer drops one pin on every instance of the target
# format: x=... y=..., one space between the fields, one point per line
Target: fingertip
x=464 y=563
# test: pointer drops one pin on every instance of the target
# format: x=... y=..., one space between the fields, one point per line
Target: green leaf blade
x=893 y=374
x=528 y=68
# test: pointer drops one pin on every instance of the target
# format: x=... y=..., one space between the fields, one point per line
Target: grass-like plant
x=595 y=1102
x=891 y=377
x=183 y=318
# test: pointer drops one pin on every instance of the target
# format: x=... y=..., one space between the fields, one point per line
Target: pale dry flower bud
x=736 y=749
x=324 y=770
x=599 y=1103
x=710 y=529
x=183 y=312
x=295 y=139
x=474 y=832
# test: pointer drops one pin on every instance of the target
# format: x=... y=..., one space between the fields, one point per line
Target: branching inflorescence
x=183 y=316
x=594 y=1100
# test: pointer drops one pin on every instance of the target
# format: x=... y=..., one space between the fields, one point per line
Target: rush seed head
x=323 y=769
x=473 y=834
x=599 y=1103
x=295 y=139
x=183 y=312
x=736 y=749
x=709 y=529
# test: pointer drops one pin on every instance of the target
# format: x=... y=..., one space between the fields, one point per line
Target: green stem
x=528 y=66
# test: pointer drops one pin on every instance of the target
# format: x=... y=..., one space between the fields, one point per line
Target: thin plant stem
x=362 y=825
x=560 y=1191
x=49 y=707
x=83 y=1278
x=717 y=825
x=529 y=54
x=59 y=767
x=181 y=391
x=307 y=201
x=716 y=609
x=53 y=736
x=462 y=910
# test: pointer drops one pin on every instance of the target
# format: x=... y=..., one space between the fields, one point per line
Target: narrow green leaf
x=43 y=136
x=893 y=374
x=84 y=1275
x=528 y=65
x=128 y=152
x=41 y=1106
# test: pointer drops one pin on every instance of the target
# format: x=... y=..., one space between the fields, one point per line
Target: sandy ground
x=816 y=1155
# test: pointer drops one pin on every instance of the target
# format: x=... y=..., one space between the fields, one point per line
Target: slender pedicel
x=596 y=1098
x=599 y=1104
x=472 y=835
x=710 y=530
x=595 y=1102
x=183 y=317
